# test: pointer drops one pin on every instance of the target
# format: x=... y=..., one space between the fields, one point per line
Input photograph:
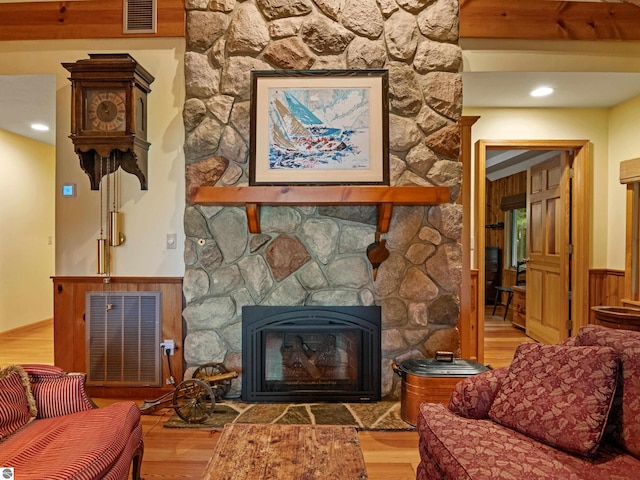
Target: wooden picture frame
x=319 y=127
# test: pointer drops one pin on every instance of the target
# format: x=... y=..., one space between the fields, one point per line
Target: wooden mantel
x=254 y=196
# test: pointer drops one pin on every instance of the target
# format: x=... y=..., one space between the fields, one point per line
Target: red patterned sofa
x=568 y=411
x=50 y=429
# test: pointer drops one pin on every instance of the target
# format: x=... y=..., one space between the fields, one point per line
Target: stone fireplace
x=311 y=353
x=312 y=255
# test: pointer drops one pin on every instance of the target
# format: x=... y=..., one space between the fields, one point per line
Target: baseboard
x=15 y=332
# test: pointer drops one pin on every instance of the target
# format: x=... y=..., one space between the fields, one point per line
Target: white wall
x=559 y=124
x=27 y=217
x=624 y=144
x=149 y=215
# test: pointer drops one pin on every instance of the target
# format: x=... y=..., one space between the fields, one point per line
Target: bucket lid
x=431 y=367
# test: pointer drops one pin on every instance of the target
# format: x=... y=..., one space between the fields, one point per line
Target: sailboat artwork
x=319 y=128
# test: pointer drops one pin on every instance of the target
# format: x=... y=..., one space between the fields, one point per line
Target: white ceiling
x=28 y=99
x=571 y=89
x=501 y=73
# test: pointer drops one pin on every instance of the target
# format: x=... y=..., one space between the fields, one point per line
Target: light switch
x=172 y=240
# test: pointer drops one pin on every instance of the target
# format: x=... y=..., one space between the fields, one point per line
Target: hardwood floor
x=183 y=454
x=500 y=340
x=32 y=344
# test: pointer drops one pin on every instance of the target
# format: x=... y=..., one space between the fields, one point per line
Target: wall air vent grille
x=123 y=338
x=140 y=16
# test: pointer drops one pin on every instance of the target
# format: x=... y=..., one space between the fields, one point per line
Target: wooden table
x=287 y=452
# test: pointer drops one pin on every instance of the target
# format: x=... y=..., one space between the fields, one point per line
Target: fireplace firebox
x=295 y=354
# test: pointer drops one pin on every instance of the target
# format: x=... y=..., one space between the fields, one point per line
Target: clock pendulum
x=109 y=216
x=104 y=260
x=116 y=237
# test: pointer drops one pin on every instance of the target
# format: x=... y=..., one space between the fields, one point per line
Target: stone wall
x=317 y=255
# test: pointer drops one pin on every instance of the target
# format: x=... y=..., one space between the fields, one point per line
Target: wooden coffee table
x=287 y=452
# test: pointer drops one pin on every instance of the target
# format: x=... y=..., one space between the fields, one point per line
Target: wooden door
x=548 y=225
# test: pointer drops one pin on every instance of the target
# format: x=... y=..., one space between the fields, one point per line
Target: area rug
x=383 y=415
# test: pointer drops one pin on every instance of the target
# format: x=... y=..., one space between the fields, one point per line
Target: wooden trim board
x=19 y=331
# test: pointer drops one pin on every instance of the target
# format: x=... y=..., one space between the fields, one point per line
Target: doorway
x=27 y=202
x=524 y=187
x=577 y=276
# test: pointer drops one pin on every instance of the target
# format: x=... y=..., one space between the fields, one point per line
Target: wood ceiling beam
x=75 y=20
x=549 y=20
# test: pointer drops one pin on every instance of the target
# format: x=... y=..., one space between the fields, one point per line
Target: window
x=515 y=214
x=517 y=240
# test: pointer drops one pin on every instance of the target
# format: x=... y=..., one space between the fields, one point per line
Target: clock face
x=105 y=110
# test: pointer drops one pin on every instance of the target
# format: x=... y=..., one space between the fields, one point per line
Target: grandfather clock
x=109 y=115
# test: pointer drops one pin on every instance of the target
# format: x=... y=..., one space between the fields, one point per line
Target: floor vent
x=123 y=338
x=140 y=16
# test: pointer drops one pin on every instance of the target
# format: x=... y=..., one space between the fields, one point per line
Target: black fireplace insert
x=309 y=354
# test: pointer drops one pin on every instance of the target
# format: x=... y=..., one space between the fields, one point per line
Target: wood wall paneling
x=549 y=20
x=74 y=20
x=69 y=326
x=495 y=192
x=606 y=287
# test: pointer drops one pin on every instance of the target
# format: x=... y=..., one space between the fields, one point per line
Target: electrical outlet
x=172 y=241
x=169 y=347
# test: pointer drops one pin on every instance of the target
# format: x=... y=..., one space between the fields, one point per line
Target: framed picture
x=319 y=127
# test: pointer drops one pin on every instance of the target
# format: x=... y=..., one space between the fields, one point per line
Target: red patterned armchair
x=50 y=429
x=568 y=411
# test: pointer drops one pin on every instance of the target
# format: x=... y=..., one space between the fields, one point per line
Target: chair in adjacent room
x=502 y=291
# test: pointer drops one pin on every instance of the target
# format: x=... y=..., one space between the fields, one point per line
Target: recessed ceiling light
x=40 y=127
x=541 y=92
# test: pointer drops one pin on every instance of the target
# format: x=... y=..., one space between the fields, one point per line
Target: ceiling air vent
x=140 y=16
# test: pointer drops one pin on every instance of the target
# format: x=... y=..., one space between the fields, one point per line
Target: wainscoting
x=606 y=287
x=69 y=297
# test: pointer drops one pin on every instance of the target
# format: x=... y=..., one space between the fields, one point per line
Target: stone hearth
x=317 y=255
x=385 y=415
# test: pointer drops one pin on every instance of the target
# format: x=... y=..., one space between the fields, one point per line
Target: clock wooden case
x=109 y=115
